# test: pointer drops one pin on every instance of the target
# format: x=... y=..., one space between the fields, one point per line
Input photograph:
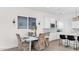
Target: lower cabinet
x=53 y=36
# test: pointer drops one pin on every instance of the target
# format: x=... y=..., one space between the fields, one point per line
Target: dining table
x=30 y=39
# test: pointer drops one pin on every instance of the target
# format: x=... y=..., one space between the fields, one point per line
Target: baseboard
x=53 y=40
x=8 y=48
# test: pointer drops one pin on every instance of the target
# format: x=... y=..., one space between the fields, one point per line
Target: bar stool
x=77 y=42
x=72 y=41
x=64 y=40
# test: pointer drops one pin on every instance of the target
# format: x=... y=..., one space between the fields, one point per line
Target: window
x=32 y=23
x=22 y=22
x=26 y=22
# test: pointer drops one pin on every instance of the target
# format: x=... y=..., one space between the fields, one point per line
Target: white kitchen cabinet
x=53 y=36
x=75 y=24
x=46 y=23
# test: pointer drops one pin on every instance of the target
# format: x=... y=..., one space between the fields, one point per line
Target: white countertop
x=70 y=33
x=55 y=35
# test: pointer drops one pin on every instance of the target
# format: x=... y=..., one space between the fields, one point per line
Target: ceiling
x=58 y=10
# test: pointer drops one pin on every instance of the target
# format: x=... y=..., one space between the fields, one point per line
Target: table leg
x=30 y=46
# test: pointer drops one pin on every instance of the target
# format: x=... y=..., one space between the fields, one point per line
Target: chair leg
x=76 y=47
x=67 y=43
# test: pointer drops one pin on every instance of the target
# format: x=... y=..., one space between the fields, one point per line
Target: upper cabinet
x=49 y=22
x=75 y=22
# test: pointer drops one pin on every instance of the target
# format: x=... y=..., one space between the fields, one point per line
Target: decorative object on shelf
x=76 y=18
x=30 y=33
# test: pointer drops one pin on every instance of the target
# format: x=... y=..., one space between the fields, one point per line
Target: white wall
x=8 y=29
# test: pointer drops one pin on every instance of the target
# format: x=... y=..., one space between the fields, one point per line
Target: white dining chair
x=22 y=44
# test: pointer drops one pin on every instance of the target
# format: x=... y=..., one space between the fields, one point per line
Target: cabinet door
x=54 y=36
x=75 y=24
x=46 y=23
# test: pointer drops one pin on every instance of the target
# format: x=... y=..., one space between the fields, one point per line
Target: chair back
x=30 y=33
x=19 y=41
x=78 y=38
x=42 y=35
x=63 y=36
x=21 y=44
x=70 y=37
x=18 y=37
x=42 y=41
